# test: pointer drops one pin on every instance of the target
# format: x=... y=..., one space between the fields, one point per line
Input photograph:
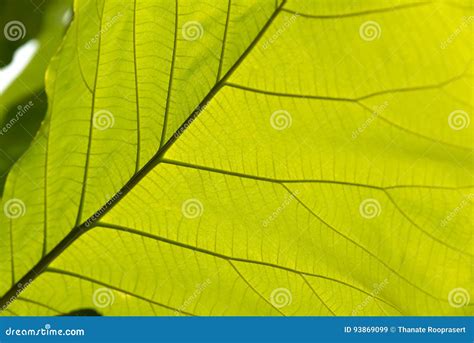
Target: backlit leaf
x=249 y=158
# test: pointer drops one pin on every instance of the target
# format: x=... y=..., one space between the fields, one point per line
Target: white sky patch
x=67 y=16
x=21 y=58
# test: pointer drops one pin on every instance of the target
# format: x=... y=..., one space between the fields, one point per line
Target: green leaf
x=23 y=102
x=249 y=158
x=46 y=27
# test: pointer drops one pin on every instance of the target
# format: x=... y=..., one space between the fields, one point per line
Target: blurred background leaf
x=44 y=23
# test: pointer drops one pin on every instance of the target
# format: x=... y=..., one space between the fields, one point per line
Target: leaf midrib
x=80 y=229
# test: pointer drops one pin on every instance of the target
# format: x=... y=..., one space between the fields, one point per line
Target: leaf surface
x=282 y=155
